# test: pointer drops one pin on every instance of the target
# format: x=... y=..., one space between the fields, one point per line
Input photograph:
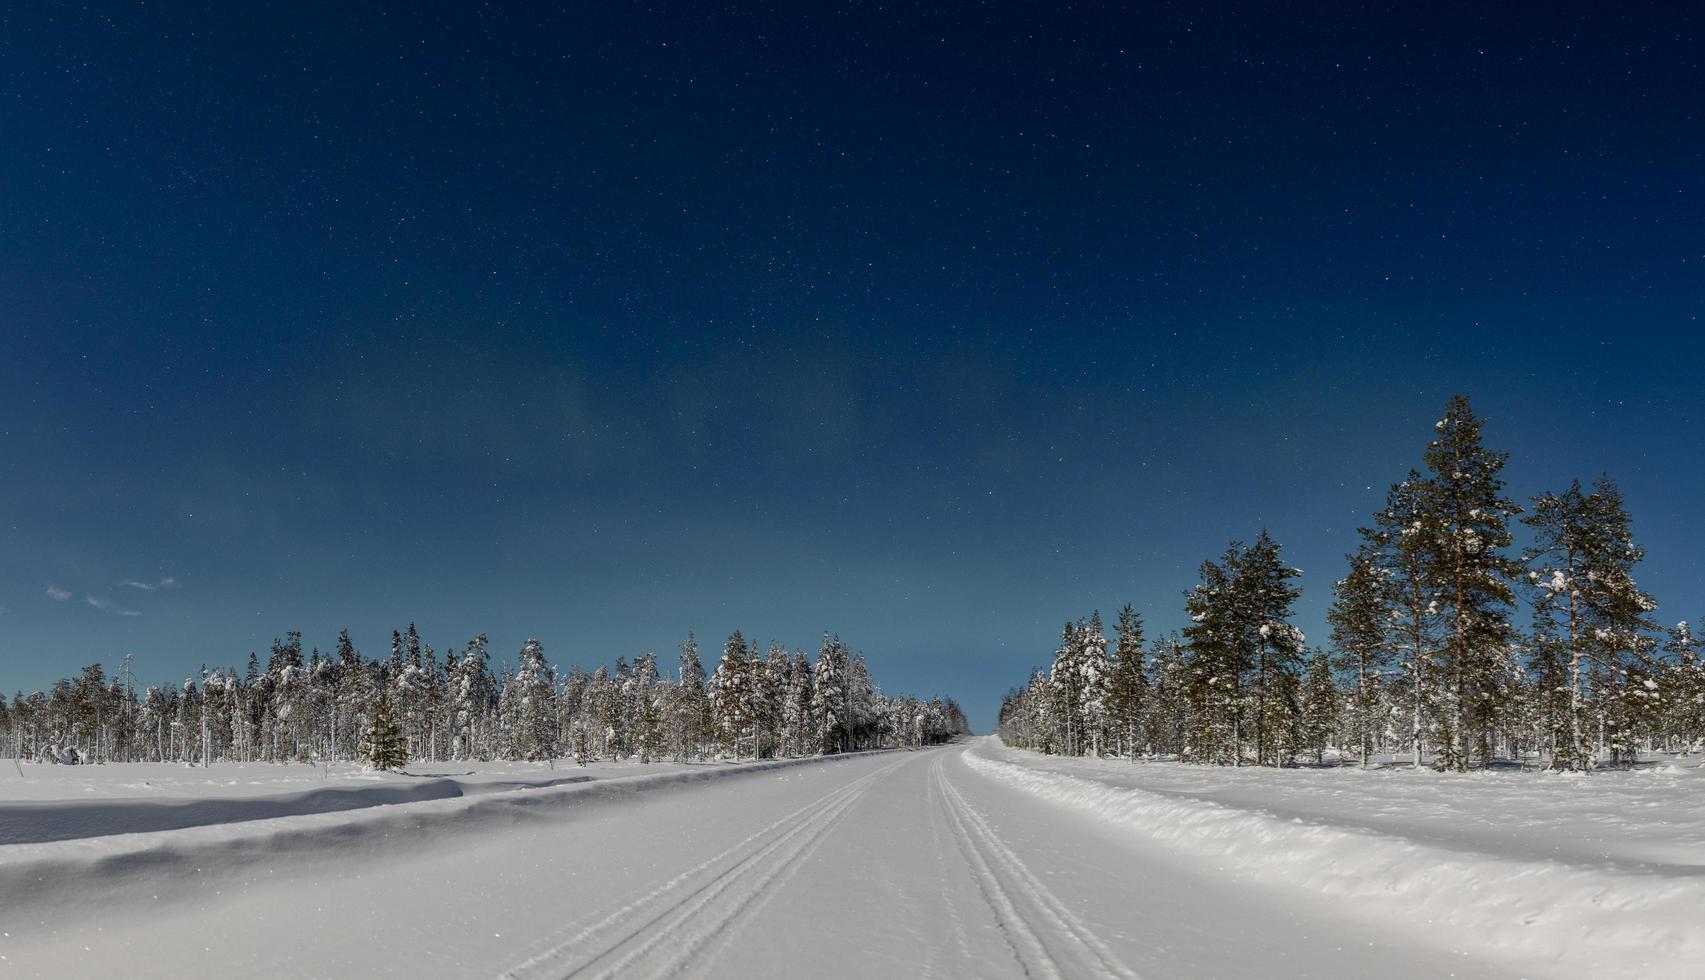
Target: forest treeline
x=1446 y=647
x=414 y=706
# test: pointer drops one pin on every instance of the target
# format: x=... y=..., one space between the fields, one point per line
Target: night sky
x=933 y=326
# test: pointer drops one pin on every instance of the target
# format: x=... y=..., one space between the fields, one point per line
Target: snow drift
x=1602 y=921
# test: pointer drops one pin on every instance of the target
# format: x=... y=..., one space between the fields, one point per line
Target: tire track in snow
x=1048 y=939
x=683 y=916
x=937 y=820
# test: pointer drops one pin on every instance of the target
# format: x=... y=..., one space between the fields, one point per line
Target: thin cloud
x=165 y=583
x=106 y=605
x=58 y=594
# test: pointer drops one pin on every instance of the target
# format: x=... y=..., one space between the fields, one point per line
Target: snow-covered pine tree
x=647 y=713
x=394 y=665
x=1464 y=556
x=690 y=709
x=1623 y=633
x=1565 y=533
x=1397 y=542
x=1265 y=595
x=525 y=707
x=1094 y=675
x=1165 y=720
x=796 y=708
x=602 y=710
x=1065 y=681
x=863 y=698
x=1360 y=617
x=768 y=695
x=1321 y=707
x=732 y=695
x=1215 y=644
x=432 y=702
x=1128 y=687
x=470 y=687
x=1685 y=704
x=384 y=746
x=344 y=721
x=829 y=696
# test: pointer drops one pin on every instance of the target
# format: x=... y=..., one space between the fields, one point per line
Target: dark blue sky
x=933 y=326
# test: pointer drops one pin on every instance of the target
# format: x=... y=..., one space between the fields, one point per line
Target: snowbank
x=1615 y=919
x=57 y=803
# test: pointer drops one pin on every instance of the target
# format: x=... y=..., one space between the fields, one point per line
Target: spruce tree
x=731 y=692
x=1066 y=686
x=1093 y=675
x=384 y=748
x=526 y=707
x=829 y=696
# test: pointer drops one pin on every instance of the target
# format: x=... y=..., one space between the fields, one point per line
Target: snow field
x=66 y=876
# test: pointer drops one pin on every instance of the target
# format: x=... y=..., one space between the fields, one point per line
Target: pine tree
x=862 y=699
x=1685 y=707
x=1166 y=722
x=1127 y=687
x=1094 y=672
x=1244 y=656
x=829 y=696
x=648 y=716
x=384 y=747
x=394 y=665
x=1397 y=543
x=526 y=709
x=1321 y=706
x=1265 y=597
x=796 y=708
x=690 y=711
x=1213 y=687
x=470 y=693
x=1066 y=686
x=769 y=695
x=1590 y=616
x=1464 y=555
x=1360 y=616
x=731 y=692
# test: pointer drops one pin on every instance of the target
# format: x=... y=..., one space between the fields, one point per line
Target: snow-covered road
x=927 y=864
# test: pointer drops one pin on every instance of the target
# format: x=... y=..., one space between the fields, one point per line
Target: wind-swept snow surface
x=966 y=861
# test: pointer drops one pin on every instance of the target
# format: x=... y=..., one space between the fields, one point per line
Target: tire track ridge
x=998 y=860
x=788 y=840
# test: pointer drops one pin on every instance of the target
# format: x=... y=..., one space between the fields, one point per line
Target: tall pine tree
x=1128 y=687
x=1465 y=539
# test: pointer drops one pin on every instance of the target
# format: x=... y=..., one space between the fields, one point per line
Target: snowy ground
x=967 y=861
x=48 y=803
